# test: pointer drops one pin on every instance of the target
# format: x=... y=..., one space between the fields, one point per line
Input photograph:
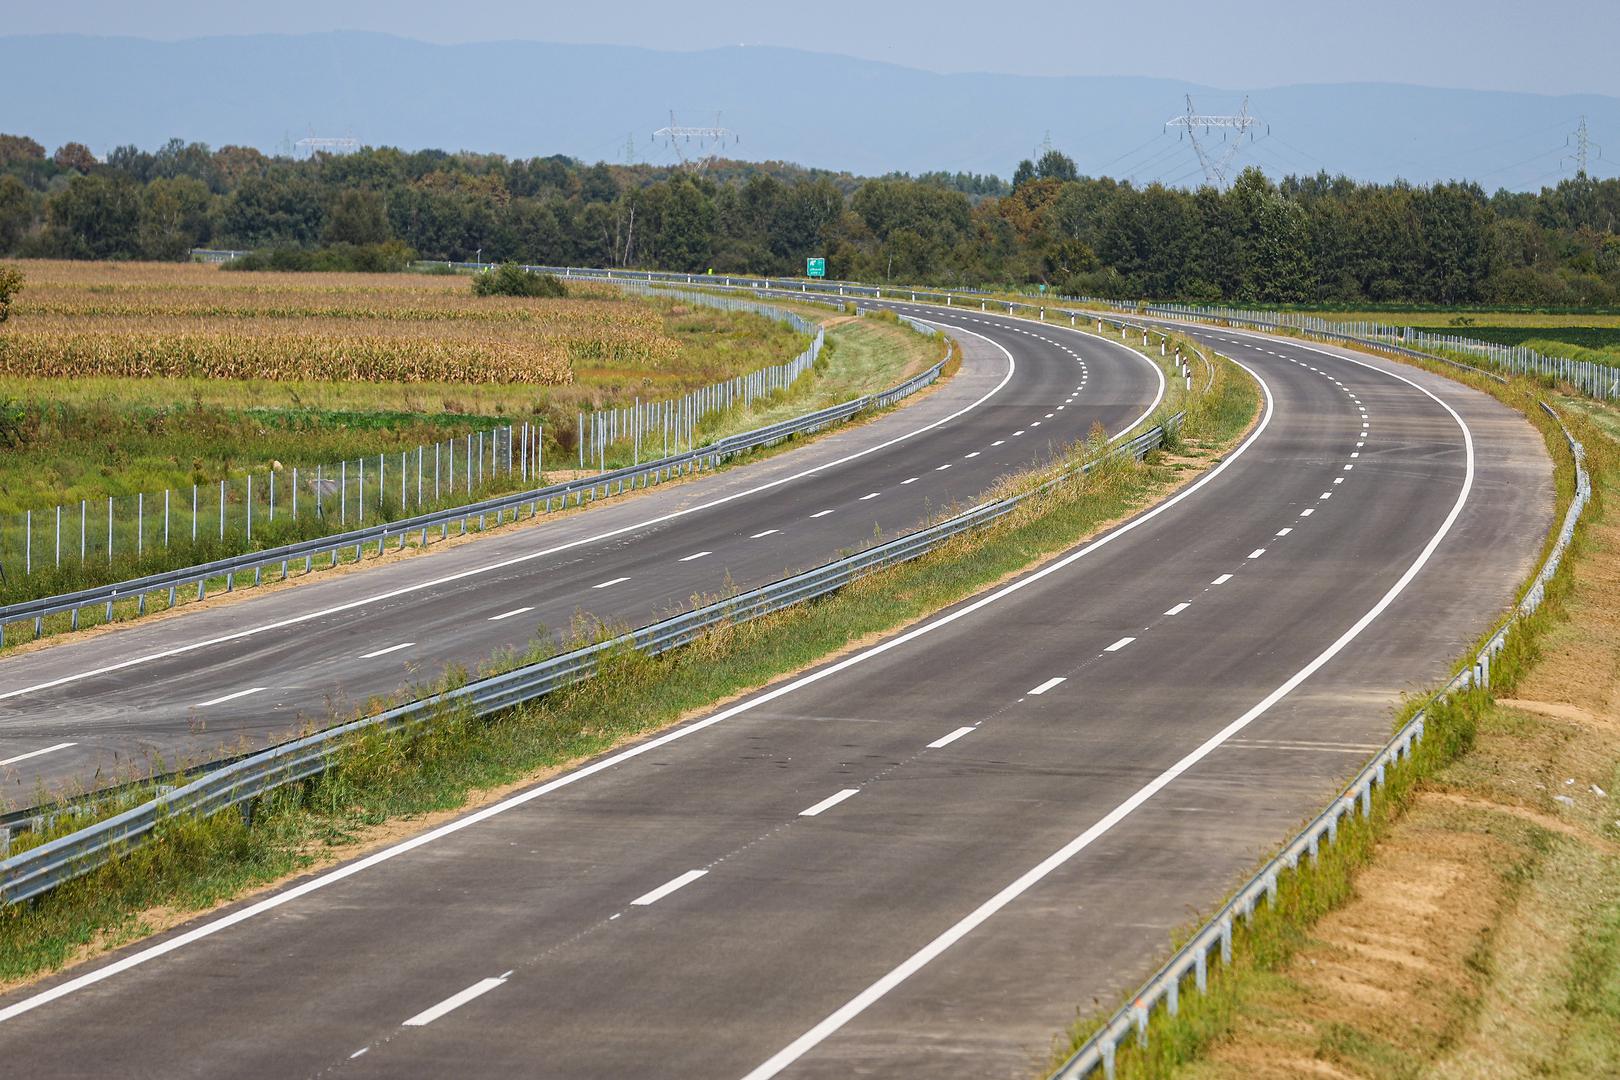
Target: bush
x=510 y=279
x=11 y=282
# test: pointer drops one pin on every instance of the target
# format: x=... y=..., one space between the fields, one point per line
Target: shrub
x=11 y=282
x=510 y=279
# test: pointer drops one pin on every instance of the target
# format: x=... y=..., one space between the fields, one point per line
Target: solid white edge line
x=453 y=1002
x=332 y=877
x=37 y=753
x=858 y=1004
x=228 y=697
x=667 y=887
x=516 y=560
x=829 y=802
x=1047 y=685
x=946 y=740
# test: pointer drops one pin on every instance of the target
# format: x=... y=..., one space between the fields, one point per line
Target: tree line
x=1309 y=240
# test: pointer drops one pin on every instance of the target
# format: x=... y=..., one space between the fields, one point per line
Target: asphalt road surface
x=256 y=668
x=920 y=859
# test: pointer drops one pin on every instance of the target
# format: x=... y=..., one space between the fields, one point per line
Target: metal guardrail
x=1193 y=959
x=1595 y=380
x=38 y=870
x=333 y=546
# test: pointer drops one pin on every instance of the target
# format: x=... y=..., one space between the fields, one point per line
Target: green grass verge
x=194 y=864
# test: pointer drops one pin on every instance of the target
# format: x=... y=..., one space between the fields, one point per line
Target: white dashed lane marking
x=946 y=740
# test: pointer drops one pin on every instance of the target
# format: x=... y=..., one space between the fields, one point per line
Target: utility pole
x=1217 y=162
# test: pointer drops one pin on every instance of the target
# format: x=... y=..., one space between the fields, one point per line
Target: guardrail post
x=1139 y=1013
x=1201 y=969
x=1226 y=940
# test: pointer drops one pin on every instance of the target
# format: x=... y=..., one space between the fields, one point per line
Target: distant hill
x=525 y=99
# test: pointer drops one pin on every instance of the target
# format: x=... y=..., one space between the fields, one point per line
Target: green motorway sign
x=815 y=268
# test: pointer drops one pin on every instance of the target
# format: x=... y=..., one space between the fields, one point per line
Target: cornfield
x=82 y=320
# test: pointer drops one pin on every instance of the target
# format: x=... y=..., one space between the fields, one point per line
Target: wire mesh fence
x=39 y=548
x=652 y=429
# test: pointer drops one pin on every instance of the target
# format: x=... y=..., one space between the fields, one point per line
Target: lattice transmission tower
x=314 y=144
x=709 y=142
x=1585 y=148
x=1217 y=159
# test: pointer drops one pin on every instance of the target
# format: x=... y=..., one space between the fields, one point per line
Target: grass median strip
x=1471 y=925
x=381 y=788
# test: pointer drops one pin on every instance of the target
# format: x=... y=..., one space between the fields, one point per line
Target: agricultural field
x=158 y=415
x=117 y=378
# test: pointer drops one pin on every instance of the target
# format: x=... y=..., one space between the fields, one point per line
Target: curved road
x=922 y=858
x=254 y=669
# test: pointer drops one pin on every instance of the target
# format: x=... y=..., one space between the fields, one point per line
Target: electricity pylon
x=710 y=141
x=1584 y=146
x=1217 y=162
x=312 y=144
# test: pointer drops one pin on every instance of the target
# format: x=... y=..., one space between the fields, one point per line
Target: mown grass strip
x=194 y=864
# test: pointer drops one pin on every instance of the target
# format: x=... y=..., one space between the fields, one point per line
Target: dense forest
x=1308 y=240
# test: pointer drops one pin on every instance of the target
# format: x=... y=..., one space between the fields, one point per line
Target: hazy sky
x=1552 y=46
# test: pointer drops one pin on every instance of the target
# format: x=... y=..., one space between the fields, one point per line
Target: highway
x=254 y=669
x=922 y=858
